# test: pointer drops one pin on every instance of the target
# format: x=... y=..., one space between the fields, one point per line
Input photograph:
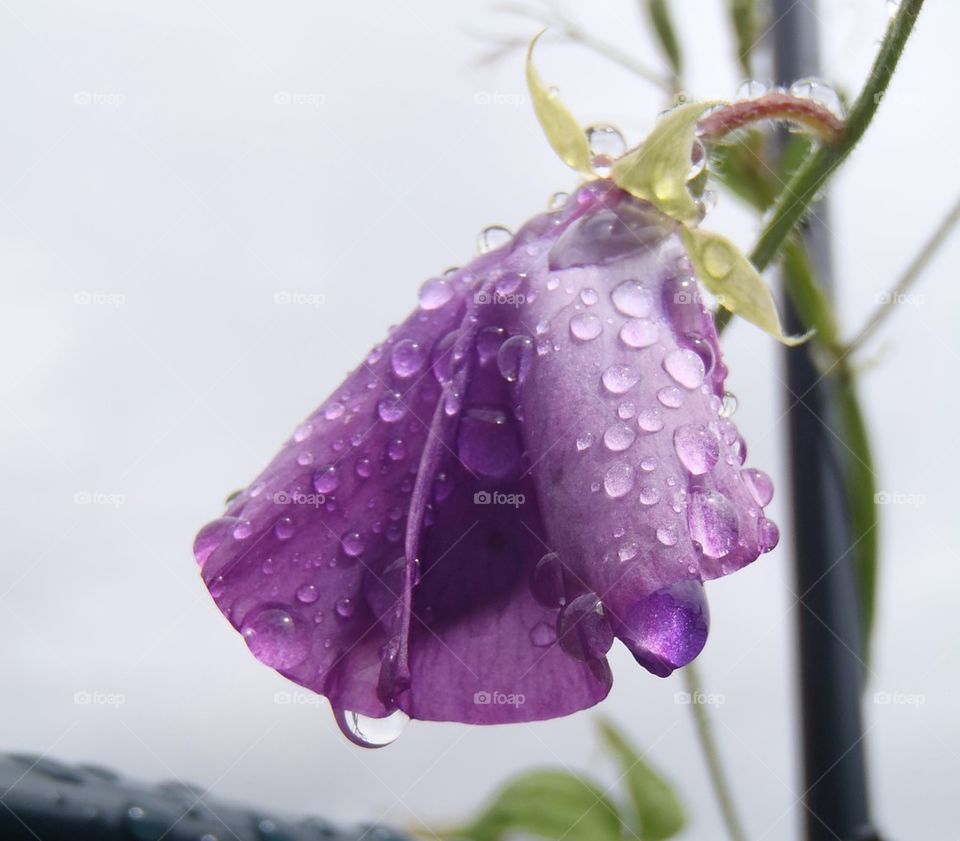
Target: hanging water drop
x=493 y=237
x=367 y=732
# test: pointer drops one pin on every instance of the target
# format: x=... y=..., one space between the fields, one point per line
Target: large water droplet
x=408 y=358
x=585 y=326
x=488 y=444
x=632 y=299
x=619 y=437
x=583 y=628
x=670 y=396
x=276 y=638
x=606 y=145
x=618 y=480
x=435 y=293
x=649 y=420
x=370 y=732
x=713 y=523
x=211 y=536
x=546 y=582
x=769 y=534
x=493 y=237
x=619 y=378
x=751 y=89
x=759 y=485
x=326 y=479
x=685 y=366
x=697 y=448
x=391 y=407
x=639 y=333
x=515 y=357
x=607 y=235
x=668 y=628
x=820 y=92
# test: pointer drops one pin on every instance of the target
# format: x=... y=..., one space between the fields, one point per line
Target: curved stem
x=803 y=188
x=712 y=755
x=910 y=276
x=776 y=105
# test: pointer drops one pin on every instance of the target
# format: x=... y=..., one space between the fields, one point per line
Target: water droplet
x=630 y=298
x=626 y=410
x=585 y=441
x=671 y=397
x=729 y=405
x=639 y=333
x=557 y=201
x=606 y=145
x=302 y=432
x=446 y=357
x=493 y=237
x=702 y=348
x=668 y=535
x=618 y=437
x=333 y=411
x=307 y=594
x=649 y=420
x=649 y=495
x=515 y=357
x=585 y=326
x=718 y=259
x=352 y=543
x=488 y=443
x=712 y=520
x=275 y=637
x=243 y=530
x=284 y=528
x=435 y=293
x=759 y=485
x=697 y=448
x=698 y=160
x=820 y=92
x=542 y=635
x=648 y=464
x=589 y=297
x=326 y=479
x=668 y=628
x=305 y=459
x=210 y=537
x=686 y=368
x=368 y=732
x=397 y=450
x=618 y=480
x=546 y=582
x=391 y=407
x=628 y=551
x=363 y=468
x=345 y=607
x=583 y=629
x=489 y=341
x=408 y=358
x=769 y=534
x=619 y=378
x=751 y=89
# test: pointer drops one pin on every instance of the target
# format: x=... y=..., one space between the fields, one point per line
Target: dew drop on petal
x=515 y=358
x=713 y=524
x=243 y=530
x=668 y=628
x=435 y=293
x=493 y=237
x=589 y=297
x=685 y=366
x=618 y=437
x=619 y=378
x=585 y=326
x=632 y=299
x=302 y=432
x=697 y=448
x=345 y=608
x=391 y=407
x=583 y=629
x=751 y=89
x=668 y=535
x=649 y=420
x=210 y=537
x=542 y=635
x=326 y=479
x=670 y=396
x=649 y=495
x=307 y=594
x=618 y=480
x=408 y=358
x=546 y=582
x=639 y=333
x=759 y=485
x=626 y=410
x=585 y=441
x=276 y=638
x=333 y=410
x=352 y=543
x=769 y=534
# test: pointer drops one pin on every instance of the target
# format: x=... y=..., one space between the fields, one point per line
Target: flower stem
x=910 y=277
x=803 y=187
x=712 y=756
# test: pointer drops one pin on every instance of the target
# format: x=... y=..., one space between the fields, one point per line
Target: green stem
x=712 y=756
x=910 y=277
x=803 y=188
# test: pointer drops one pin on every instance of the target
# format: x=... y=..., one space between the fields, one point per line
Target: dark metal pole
x=831 y=648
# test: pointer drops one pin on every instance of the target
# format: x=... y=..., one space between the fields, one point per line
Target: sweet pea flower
x=538 y=461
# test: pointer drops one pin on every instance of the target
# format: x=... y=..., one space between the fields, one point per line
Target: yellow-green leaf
x=737 y=285
x=565 y=134
x=659 y=169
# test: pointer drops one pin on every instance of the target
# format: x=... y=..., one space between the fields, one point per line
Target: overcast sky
x=156 y=194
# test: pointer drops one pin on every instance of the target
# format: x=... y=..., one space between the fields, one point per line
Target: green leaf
x=658 y=170
x=743 y=16
x=737 y=285
x=658 y=811
x=547 y=804
x=659 y=12
x=565 y=134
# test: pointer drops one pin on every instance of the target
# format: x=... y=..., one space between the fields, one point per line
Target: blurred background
x=209 y=211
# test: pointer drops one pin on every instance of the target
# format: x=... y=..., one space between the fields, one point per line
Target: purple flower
x=538 y=460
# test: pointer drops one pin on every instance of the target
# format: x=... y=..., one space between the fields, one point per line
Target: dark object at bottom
x=42 y=799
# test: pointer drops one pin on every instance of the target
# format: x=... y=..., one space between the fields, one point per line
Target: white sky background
x=197 y=199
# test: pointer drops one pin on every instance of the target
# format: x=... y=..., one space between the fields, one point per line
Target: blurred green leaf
x=658 y=811
x=746 y=29
x=564 y=133
x=659 y=13
x=548 y=804
x=742 y=166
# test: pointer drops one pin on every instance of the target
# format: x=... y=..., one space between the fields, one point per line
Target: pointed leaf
x=737 y=285
x=547 y=804
x=659 y=169
x=657 y=808
x=565 y=134
x=659 y=12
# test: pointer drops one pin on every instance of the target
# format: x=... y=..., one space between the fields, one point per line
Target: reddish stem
x=776 y=105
